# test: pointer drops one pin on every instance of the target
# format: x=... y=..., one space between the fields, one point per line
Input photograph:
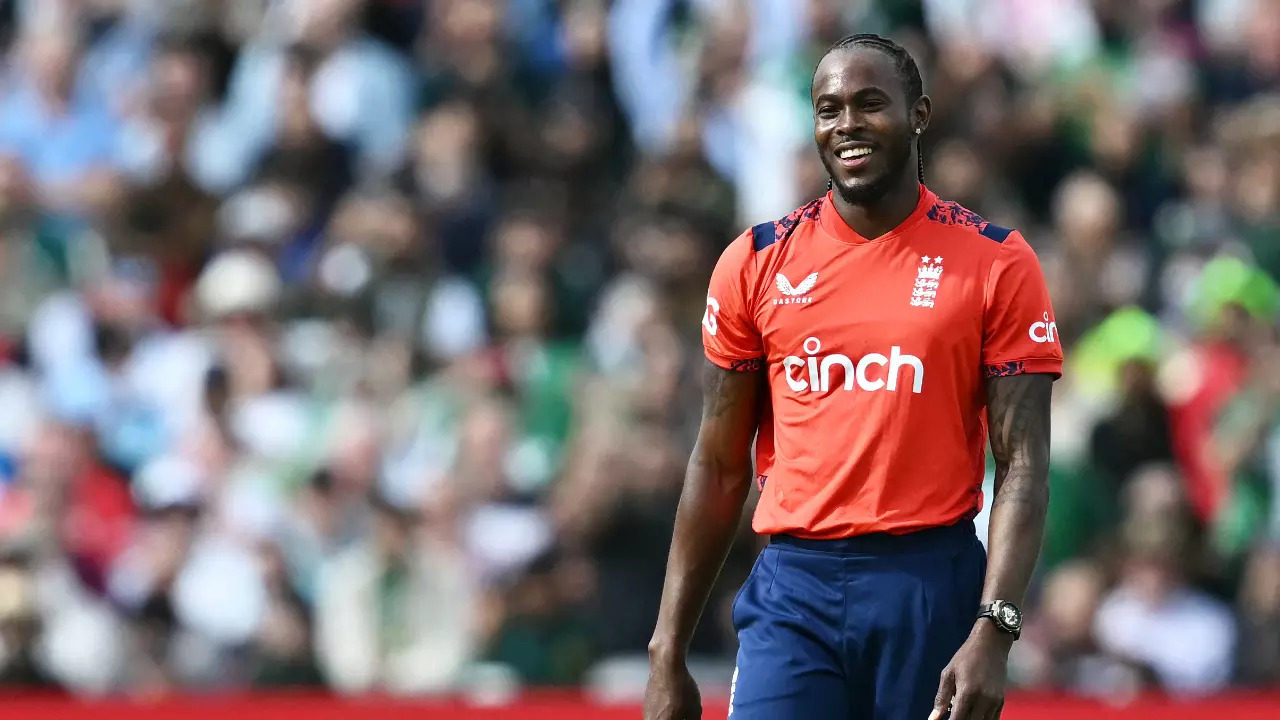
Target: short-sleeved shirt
x=877 y=353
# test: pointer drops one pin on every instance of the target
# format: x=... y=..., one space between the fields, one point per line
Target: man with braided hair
x=869 y=343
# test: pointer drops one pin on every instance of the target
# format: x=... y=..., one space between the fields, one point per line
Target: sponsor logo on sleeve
x=709 y=317
x=1045 y=331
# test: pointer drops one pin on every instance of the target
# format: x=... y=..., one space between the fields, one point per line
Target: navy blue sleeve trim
x=1004 y=369
x=747 y=365
x=763 y=235
x=995 y=232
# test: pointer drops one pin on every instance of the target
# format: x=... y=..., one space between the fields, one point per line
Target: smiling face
x=864 y=123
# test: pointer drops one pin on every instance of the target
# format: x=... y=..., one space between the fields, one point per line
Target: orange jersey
x=877 y=353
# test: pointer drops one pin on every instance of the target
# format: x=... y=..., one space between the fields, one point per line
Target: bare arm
x=716 y=485
x=1018 y=415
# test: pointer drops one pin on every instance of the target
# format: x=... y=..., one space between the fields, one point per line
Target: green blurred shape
x=1083 y=510
x=1231 y=281
x=1243 y=516
x=1130 y=333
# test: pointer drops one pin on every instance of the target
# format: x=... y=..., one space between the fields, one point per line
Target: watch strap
x=990 y=610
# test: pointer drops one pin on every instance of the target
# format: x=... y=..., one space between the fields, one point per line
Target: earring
x=917 y=131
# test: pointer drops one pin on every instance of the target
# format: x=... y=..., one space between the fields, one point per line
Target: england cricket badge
x=928 y=275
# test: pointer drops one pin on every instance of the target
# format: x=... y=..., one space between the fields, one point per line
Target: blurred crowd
x=353 y=344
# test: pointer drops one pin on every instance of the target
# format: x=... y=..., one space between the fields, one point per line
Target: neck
x=871 y=220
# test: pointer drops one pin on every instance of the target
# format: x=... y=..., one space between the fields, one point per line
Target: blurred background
x=352 y=345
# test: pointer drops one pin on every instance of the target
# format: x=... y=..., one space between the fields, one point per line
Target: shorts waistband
x=883 y=543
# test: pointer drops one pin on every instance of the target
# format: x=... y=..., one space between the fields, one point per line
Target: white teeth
x=854 y=152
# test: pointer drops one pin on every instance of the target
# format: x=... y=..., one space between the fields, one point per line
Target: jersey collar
x=836 y=227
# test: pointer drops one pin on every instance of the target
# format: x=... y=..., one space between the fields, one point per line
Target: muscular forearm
x=1018 y=412
x=706 y=522
x=1014 y=537
x=715 y=488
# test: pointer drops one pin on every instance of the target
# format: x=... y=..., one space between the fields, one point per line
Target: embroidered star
x=938 y=259
x=924 y=259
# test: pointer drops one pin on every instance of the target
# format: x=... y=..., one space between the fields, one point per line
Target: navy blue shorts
x=854 y=629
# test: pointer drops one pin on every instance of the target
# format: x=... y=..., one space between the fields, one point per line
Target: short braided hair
x=903 y=64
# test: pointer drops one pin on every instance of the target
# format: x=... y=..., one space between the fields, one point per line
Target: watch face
x=1009 y=616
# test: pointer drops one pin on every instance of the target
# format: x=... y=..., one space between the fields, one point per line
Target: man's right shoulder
x=773 y=235
x=778 y=232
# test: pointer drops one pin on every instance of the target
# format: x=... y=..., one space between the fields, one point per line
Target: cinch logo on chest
x=886 y=369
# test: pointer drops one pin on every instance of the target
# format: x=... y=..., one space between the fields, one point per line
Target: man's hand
x=972 y=685
x=671 y=693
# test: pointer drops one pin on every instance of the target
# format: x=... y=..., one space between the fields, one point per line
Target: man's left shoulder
x=965 y=223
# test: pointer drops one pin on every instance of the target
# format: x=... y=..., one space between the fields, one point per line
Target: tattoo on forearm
x=1018 y=417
